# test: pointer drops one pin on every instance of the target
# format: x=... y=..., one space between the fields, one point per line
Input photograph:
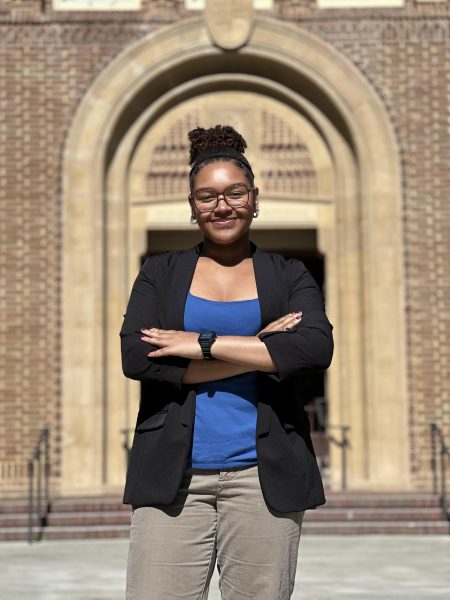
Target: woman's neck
x=227 y=254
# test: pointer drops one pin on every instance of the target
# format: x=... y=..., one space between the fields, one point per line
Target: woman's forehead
x=222 y=172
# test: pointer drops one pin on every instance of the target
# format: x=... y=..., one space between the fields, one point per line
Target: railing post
x=444 y=452
x=433 y=457
x=126 y=444
x=39 y=486
x=30 y=473
x=344 y=456
x=343 y=444
x=42 y=457
x=47 y=472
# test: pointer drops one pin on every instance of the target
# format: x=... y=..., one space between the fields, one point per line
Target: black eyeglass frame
x=217 y=194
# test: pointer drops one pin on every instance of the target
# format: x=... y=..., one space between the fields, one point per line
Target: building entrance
x=324 y=153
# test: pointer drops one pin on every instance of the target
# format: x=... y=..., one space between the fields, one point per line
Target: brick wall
x=48 y=60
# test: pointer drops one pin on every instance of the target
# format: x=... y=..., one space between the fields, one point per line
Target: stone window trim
x=96 y=5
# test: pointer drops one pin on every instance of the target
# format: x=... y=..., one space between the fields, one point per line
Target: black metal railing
x=39 y=478
x=440 y=452
x=126 y=432
x=322 y=438
x=343 y=443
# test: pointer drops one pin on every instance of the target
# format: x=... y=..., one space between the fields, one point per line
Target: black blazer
x=287 y=466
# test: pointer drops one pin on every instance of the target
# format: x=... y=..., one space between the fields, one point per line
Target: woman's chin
x=226 y=238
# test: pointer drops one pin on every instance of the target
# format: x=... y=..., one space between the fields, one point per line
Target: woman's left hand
x=172 y=342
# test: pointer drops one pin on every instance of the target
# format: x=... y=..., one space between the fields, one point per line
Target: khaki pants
x=218 y=515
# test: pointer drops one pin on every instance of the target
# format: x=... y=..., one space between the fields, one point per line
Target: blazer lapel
x=173 y=301
x=268 y=286
x=181 y=282
x=271 y=305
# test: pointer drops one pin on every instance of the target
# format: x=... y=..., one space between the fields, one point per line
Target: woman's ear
x=256 y=199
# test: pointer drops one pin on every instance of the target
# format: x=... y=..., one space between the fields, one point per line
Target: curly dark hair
x=221 y=135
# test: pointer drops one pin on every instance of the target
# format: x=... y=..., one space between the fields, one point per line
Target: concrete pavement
x=330 y=567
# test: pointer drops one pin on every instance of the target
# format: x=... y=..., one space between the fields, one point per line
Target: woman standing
x=222 y=467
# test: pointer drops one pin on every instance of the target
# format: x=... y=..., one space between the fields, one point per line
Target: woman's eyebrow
x=227 y=186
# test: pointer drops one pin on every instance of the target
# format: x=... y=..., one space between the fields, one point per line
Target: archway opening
x=105 y=238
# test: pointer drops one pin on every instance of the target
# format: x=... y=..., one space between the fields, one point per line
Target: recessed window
x=360 y=3
x=84 y=5
x=200 y=4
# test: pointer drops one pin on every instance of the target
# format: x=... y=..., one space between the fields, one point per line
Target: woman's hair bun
x=221 y=135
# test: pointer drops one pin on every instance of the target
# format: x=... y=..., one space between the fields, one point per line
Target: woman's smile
x=224 y=222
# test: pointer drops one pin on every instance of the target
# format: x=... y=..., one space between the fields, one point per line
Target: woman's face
x=224 y=224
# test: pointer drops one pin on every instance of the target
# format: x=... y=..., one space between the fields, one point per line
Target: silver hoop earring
x=193 y=220
x=256 y=212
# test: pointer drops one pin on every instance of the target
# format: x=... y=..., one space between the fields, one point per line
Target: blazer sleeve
x=141 y=312
x=307 y=347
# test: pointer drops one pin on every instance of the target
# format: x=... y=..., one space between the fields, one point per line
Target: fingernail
x=298 y=316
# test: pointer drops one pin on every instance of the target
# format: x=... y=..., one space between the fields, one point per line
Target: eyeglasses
x=236 y=195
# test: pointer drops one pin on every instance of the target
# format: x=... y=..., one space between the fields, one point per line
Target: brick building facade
x=50 y=59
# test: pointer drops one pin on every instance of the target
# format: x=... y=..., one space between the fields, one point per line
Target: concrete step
x=119 y=517
x=67 y=533
x=17 y=520
x=323 y=514
x=87 y=531
x=334 y=500
x=308 y=528
x=13 y=507
x=344 y=513
x=64 y=519
x=380 y=500
x=88 y=504
x=379 y=527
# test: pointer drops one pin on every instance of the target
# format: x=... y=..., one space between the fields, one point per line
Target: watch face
x=207 y=335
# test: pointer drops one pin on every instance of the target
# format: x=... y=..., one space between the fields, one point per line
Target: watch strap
x=206 y=341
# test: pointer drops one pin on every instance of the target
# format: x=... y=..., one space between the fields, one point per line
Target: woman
x=222 y=467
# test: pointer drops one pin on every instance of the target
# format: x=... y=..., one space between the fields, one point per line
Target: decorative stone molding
x=229 y=23
x=435 y=29
x=277 y=137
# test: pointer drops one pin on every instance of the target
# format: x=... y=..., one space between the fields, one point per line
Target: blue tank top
x=225 y=415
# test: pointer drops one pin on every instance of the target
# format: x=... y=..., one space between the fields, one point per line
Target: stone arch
x=363 y=237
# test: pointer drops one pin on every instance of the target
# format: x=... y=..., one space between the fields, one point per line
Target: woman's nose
x=221 y=202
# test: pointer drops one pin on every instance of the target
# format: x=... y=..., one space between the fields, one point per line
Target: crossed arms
x=175 y=357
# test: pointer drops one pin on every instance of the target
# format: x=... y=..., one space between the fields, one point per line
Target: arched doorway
x=358 y=226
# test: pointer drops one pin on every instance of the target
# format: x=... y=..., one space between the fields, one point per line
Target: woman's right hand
x=285 y=322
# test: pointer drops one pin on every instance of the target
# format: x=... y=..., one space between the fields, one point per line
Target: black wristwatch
x=206 y=340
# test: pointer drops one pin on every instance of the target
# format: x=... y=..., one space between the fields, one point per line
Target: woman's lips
x=223 y=222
